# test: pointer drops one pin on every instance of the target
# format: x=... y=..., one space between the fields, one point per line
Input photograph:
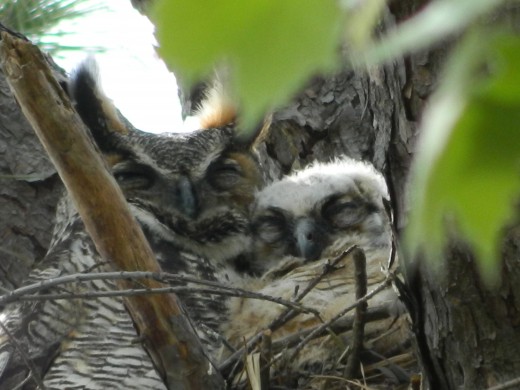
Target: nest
x=334 y=334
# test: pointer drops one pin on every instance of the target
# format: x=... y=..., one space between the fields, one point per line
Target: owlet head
x=321 y=210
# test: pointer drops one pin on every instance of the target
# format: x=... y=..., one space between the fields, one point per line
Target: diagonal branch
x=289 y=314
x=33 y=371
x=384 y=284
x=165 y=331
x=342 y=325
x=284 y=317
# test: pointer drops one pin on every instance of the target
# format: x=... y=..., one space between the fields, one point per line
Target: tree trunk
x=467 y=335
x=29 y=191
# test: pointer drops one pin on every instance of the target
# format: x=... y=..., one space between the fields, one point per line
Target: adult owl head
x=198 y=186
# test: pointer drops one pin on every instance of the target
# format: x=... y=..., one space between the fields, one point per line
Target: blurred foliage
x=433 y=24
x=467 y=170
x=37 y=18
x=270 y=47
x=466 y=173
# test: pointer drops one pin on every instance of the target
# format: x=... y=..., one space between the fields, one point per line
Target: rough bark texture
x=468 y=336
x=472 y=333
x=29 y=191
x=161 y=324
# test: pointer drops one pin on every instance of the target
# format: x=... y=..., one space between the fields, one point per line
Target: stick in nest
x=358 y=329
x=285 y=316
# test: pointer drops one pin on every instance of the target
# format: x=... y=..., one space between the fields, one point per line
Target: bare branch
x=341 y=325
x=358 y=330
x=288 y=314
x=166 y=332
x=265 y=359
x=321 y=328
x=33 y=372
x=28 y=292
x=506 y=385
x=284 y=317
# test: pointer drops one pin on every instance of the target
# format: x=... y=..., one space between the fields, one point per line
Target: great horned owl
x=320 y=210
x=197 y=187
x=191 y=193
x=300 y=223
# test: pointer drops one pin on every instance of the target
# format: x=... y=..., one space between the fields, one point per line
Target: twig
x=506 y=385
x=265 y=359
x=252 y=364
x=23 y=382
x=283 y=318
x=322 y=327
x=396 y=362
x=27 y=293
x=167 y=335
x=358 y=329
x=387 y=204
x=289 y=314
x=231 y=292
x=341 y=379
x=234 y=360
x=33 y=372
x=341 y=325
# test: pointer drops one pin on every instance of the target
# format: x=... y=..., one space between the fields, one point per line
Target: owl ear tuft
x=217 y=109
x=95 y=109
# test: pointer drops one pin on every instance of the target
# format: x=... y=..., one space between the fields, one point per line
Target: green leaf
x=362 y=19
x=271 y=46
x=505 y=86
x=437 y=21
x=466 y=174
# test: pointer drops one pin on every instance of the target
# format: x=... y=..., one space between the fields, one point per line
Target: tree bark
x=29 y=191
x=467 y=335
x=165 y=331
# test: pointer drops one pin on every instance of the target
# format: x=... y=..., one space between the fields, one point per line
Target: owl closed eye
x=196 y=187
x=320 y=210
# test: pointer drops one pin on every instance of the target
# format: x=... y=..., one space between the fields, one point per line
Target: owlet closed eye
x=271 y=226
x=343 y=211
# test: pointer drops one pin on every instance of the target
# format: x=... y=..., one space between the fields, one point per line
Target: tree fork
x=162 y=325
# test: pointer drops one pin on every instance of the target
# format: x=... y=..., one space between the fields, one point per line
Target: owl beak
x=309 y=239
x=186 y=197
